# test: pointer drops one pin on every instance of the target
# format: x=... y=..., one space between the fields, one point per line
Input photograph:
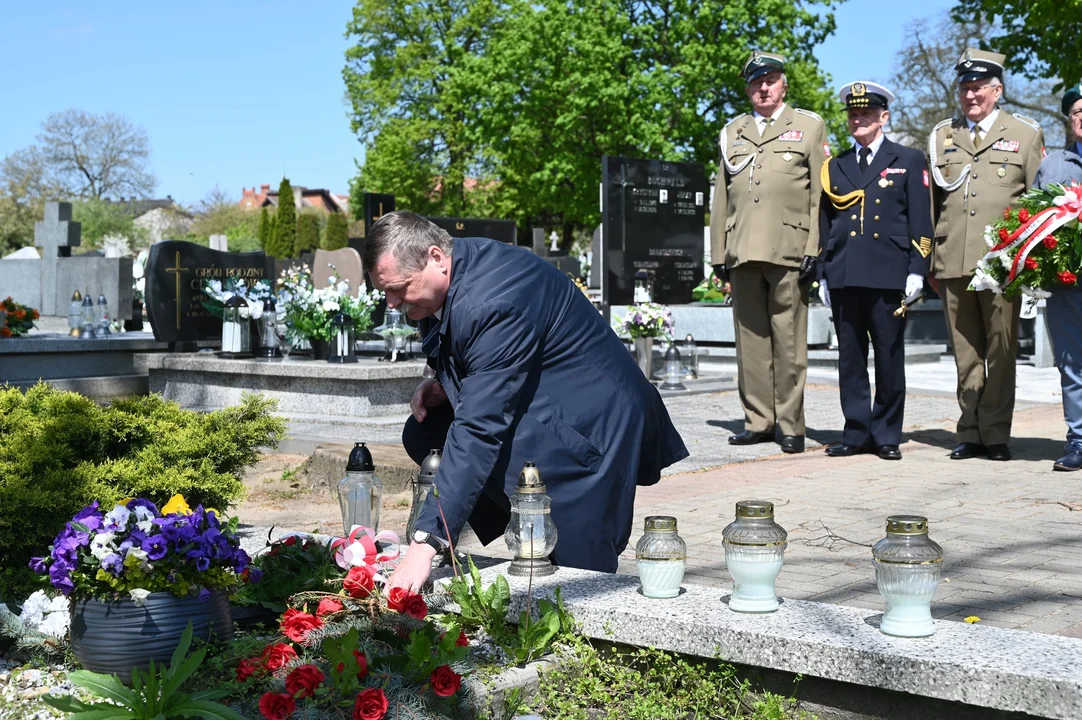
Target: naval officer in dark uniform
x=875 y=228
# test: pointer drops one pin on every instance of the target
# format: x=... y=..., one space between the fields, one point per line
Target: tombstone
x=376 y=205
x=56 y=235
x=594 y=281
x=652 y=223
x=175 y=273
x=346 y=261
x=219 y=242
x=539 y=247
x=504 y=231
x=23 y=253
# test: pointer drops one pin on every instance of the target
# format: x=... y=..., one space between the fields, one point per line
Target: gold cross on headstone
x=178 y=270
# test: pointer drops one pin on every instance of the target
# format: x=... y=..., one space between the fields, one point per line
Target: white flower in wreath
x=330 y=306
x=990 y=236
x=255 y=308
x=139 y=596
x=983 y=281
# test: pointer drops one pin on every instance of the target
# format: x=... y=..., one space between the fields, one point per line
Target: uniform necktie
x=863 y=161
x=766 y=122
x=977 y=136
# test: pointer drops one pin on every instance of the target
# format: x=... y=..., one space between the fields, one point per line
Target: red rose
x=302 y=681
x=276 y=706
x=462 y=641
x=371 y=705
x=407 y=603
x=1068 y=278
x=329 y=606
x=291 y=540
x=1050 y=242
x=445 y=681
x=1006 y=213
x=5 y=332
x=362 y=663
x=296 y=624
x=247 y=668
x=275 y=656
x=359 y=581
x=1023 y=215
x=1003 y=234
x=1031 y=264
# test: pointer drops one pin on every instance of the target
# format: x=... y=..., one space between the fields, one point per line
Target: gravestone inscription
x=175 y=274
x=504 y=231
x=652 y=225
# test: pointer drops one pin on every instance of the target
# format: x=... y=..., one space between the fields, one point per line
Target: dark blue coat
x=534 y=372
x=896 y=218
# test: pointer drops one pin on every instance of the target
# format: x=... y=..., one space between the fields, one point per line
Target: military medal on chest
x=1002 y=172
x=787 y=156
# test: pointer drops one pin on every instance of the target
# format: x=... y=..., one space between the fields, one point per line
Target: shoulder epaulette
x=1028 y=121
x=809 y=113
x=735 y=119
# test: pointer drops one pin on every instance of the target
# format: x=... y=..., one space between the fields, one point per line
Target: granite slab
x=210 y=363
x=1009 y=670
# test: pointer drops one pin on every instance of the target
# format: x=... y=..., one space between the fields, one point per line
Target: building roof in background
x=302 y=197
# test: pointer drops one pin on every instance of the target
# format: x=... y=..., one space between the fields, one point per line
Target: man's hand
x=807 y=270
x=824 y=293
x=428 y=394
x=722 y=272
x=913 y=284
x=414 y=569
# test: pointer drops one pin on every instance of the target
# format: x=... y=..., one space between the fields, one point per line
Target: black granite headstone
x=376 y=205
x=652 y=222
x=175 y=274
x=503 y=230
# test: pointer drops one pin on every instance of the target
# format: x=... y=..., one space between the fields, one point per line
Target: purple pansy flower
x=38 y=565
x=141 y=502
x=204 y=595
x=113 y=563
x=155 y=547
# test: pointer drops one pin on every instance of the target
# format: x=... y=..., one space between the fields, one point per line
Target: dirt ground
x=280 y=494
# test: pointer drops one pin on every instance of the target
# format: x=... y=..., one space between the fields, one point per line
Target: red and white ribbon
x=359 y=548
x=1065 y=209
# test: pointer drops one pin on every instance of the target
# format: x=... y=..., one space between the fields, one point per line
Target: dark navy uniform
x=875 y=230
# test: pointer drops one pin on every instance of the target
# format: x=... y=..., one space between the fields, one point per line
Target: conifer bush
x=60 y=451
x=336 y=232
x=285 y=226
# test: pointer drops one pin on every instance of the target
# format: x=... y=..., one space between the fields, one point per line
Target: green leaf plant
x=154 y=695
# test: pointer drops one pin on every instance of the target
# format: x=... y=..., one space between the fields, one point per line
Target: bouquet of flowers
x=136 y=549
x=647 y=320
x=308 y=310
x=16 y=319
x=219 y=291
x=1035 y=249
x=712 y=290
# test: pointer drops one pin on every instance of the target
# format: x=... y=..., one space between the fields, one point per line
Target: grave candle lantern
x=662 y=556
x=674 y=369
x=360 y=492
x=236 y=336
x=75 y=313
x=907 y=568
x=754 y=549
x=396 y=334
x=423 y=484
x=342 y=349
x=101 y=315
x=531 y=534
x=87 y=317
x=268 y=333
x=691 y=359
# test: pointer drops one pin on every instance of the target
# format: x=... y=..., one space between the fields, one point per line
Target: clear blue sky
x=235 y=94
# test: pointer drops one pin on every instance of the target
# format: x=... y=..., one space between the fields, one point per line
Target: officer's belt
x=842 y=202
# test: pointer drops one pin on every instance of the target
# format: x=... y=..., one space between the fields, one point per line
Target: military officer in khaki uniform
x=764 y=238
x=981 y=163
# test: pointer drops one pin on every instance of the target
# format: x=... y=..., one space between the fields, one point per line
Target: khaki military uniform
x=763 y=222
x=971 y=187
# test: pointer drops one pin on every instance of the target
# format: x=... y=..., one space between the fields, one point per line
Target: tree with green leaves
x=307 y=233
x=285 y=231
x=336 y=232
x=1040 y=37
x=263 y=232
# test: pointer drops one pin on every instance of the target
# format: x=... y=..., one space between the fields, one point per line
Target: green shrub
x=285 y=228
x=60 y=451
x=307 y=233
x=336 y=232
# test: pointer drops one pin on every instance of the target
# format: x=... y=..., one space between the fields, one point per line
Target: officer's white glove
x=824 y=294
x=913 y=284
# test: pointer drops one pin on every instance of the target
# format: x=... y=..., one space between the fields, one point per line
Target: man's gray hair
x=408 y=237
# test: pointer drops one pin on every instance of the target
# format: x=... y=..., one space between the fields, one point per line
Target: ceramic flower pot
x=118 y=636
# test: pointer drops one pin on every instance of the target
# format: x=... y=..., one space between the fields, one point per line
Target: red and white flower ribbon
x=1066 y=208
x=359 y=548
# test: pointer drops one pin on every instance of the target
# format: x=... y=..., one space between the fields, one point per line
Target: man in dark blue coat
x=526 y=370
x=875 y=229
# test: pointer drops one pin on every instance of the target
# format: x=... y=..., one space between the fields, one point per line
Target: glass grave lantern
x=75 y=313
x=907 y=568
x=268 y=332
x=531 y=534
x=662 y=557
x=343 y=349
x=754 y=549
x=423 y=484
x=236 y=330
x=360 y=492
x=674 y=369
x=396 y=334
x=691 y=359
x=102 y=320
x=87 y=317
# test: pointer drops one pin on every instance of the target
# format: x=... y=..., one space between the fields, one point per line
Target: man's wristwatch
x=428 y=539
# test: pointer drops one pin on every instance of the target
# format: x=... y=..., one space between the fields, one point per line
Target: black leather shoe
x=1071 y=460
x=890 y=452
x=999 y=452
x=750 y=437
x=792 y=443
x=967 y=450
x=844 y=450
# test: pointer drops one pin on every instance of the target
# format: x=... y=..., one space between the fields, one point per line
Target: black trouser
x=860 y=313
x=492 y=512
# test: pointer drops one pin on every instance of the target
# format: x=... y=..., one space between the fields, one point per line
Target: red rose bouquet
x=16 y=319
x=1036 y=249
